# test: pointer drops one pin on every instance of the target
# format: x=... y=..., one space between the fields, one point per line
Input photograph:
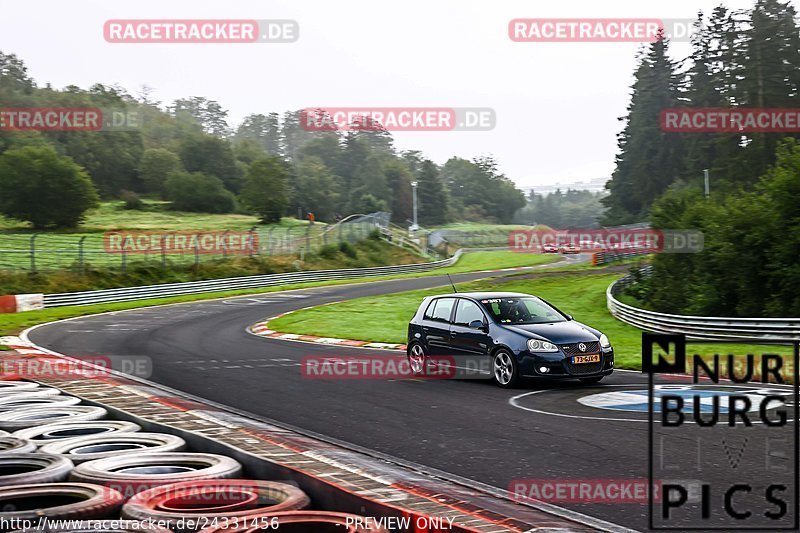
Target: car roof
x=484 y=295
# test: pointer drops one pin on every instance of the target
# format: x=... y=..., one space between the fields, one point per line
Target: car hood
x=557 y=332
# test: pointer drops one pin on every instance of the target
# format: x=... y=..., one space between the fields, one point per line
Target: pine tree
x=431 y=195
x=649 y=159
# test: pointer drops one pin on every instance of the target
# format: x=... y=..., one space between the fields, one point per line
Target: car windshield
x=522 y=310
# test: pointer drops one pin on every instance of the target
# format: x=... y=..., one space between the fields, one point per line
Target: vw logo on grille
x=582 y=347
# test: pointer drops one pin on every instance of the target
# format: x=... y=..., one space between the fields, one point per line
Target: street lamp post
x=706 y=183
x=414 y=225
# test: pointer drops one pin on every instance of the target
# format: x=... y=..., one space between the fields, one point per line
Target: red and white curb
x=262 y=329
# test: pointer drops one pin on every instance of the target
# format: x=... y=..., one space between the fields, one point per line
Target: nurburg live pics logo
x=734 y=430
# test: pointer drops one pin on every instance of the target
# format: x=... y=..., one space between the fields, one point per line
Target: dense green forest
x=751 y=220
x=570 y=209
x=189 y=153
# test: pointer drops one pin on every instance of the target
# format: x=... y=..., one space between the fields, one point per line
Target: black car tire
x=505 y=371
x=417 y=366
x=27 y=468
x=16 y=445
x=130 y=474
x=589 y=381
x=82 y=449
x=40 y=500
x=41 y=435
x=35 y=416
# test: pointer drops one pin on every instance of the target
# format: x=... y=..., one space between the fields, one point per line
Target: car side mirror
x=477 y=324
x=569 y=317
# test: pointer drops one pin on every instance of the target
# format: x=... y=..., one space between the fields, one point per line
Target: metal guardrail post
x=33 y=252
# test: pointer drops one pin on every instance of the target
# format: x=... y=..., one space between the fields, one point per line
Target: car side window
x=466 y=312
x=428 y=315
x=442 y=310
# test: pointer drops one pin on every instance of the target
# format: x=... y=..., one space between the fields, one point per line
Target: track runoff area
x=686 y=444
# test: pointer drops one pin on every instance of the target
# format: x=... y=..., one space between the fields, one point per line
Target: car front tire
x=505 y=370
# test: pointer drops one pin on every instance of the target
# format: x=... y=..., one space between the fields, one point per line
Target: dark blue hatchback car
x=506 y=336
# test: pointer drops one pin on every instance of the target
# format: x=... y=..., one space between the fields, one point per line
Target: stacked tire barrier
x=62 y=461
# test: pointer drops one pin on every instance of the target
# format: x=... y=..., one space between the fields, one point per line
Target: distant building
x=594 y=185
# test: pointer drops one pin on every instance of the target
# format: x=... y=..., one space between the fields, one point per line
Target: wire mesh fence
x=40 y=252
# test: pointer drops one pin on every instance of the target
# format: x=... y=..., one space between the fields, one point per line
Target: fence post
x=287 y=248
x=308 y=239
x=196 y=255
x=164 y=252
x=252 y=233
x=269 y=241
x=225 y=244
x=33 y=252
x=81 y=260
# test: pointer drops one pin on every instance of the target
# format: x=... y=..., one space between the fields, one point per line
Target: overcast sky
x=557 y=104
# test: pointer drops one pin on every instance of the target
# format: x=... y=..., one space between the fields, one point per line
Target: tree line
x=751 y=220
x=189 y=154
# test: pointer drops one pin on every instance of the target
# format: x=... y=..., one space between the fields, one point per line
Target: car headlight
x=535 y=345
x=604 y=342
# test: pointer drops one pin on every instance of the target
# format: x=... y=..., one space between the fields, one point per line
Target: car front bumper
x=560 y=365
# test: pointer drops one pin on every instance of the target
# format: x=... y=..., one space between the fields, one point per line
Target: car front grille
x=572 y=349
x=585 y=368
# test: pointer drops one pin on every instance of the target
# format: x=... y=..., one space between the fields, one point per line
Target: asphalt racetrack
x=542 y=431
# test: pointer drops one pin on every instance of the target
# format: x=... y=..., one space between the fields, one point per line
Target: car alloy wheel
x=416 y=359
x=504 y=369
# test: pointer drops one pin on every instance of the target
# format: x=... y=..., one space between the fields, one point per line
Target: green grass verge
x=476 y=261
x=385 y=318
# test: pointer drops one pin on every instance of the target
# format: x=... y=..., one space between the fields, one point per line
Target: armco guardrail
x=127 y=294
x=703 y=327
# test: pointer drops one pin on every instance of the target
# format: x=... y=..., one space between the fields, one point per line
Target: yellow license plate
x=578 y=359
